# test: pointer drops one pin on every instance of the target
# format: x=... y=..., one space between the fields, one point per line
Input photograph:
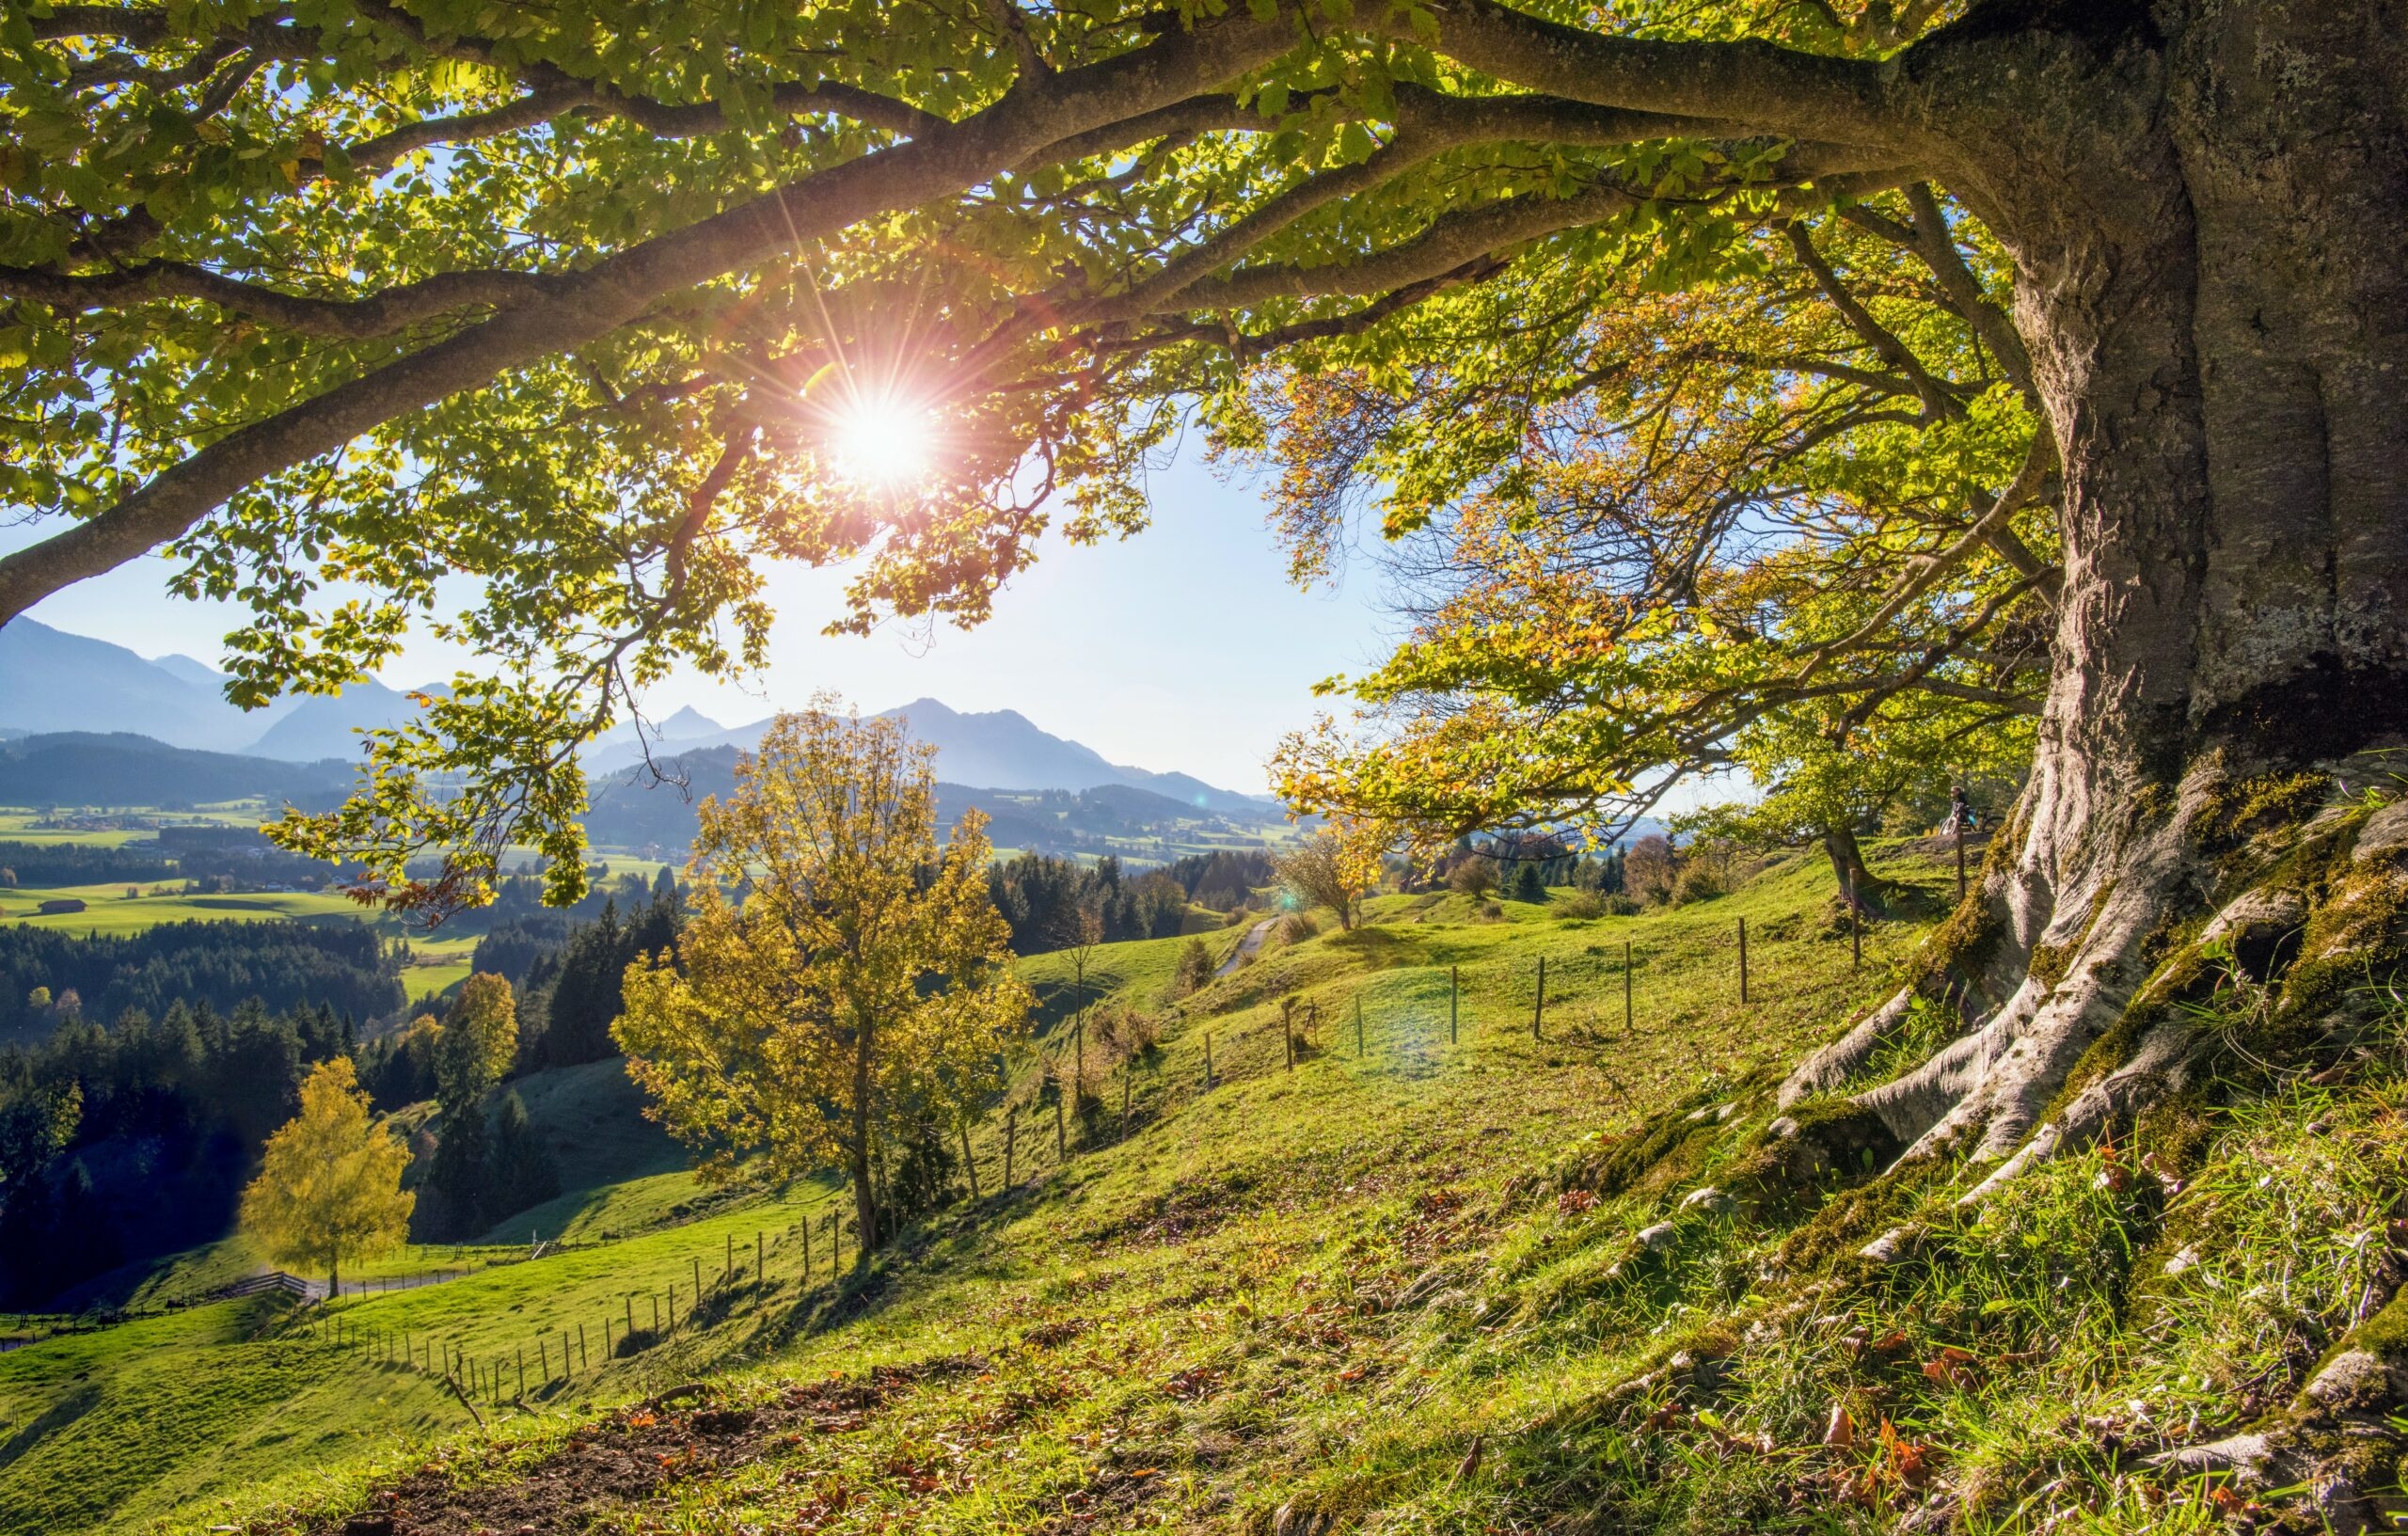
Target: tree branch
x=1770 y=89
x=618 y=290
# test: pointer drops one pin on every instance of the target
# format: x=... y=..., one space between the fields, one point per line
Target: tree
x=1334 y=867
x=459 y=1177
x=480 y=1040
x=594 y=365
x=1529 y=884
x=1651 y=869
x=844 y=982
x=1194 y=970
x=522 y=1175
x=330 y=1185
x=1473 y=876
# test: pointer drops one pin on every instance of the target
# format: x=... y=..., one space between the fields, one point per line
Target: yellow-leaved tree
x=1337 y=865
x=843 y=989
x=480 y=1040
x=330 y=1186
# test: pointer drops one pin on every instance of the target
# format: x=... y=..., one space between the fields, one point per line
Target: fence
x=560 y=1353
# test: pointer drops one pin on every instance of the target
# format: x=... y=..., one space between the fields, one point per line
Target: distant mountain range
x=52 y=682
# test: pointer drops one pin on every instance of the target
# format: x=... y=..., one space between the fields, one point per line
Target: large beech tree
x=582 y=304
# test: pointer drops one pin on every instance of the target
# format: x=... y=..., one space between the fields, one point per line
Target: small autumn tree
x=844 y=981
x=1334 y=867
x=330 y=1185
x=480 y=1040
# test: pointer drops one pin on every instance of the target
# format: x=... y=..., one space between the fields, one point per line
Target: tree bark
x=2208 y=207
x=1847 y=868
x=858 y=1153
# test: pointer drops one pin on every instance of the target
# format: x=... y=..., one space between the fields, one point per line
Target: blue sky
x=1184 y=648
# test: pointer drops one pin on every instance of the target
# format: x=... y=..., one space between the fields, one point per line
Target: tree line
x=48 y=975
x=123 y=1141
x=1056 y=903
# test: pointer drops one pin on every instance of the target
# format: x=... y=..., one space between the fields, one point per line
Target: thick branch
x=378 y=314
x=615 y=292
x=1770 y=89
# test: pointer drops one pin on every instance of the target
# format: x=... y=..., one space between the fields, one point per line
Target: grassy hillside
x=1256 y=1188
x=1461 y=1284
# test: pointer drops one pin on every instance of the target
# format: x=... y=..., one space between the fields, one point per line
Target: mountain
x=50 y=680
x=93 y=768
x=329 y=726
x=1000 y=748
x=197 y=672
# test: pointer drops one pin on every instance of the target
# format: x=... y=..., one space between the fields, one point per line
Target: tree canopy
x=329 y=1186
x=336 y=305
x=843 y=987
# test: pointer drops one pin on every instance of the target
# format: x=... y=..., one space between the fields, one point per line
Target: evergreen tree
x=1529 y=884
x=459 y=1177
x=522 y=1174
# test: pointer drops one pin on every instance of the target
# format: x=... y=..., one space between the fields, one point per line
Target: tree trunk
x=858 y=1152
x=1847 y=868
x=2207 y=206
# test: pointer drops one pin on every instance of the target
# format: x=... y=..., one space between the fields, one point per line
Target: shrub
x=1194 y=970
x=1581 y=905
x=1699 y=882
x=1620 y=904
x=1474 y=877
x=1294 y=928
x=1650 y=870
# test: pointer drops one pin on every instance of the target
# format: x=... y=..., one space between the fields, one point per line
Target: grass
x=1397 y=1289
x=109 y=911
x=1210 y=1234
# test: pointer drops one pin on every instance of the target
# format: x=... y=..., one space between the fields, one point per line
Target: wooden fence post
x=698 y=1281
x=522 y=1370
x=1061 y=1130
x=1358 y=1026
x=1454 y=992
x=606 y=1337
x=969 y=1159
x=543 y=1358
x=1537 y=1008
x=1288 y=1029
x=580 y=1343
x=631 y=1314
x=1208 y=1060
x=1626 y=986
x=1011 y=1130
x=1743 y=960
x=673 y=1306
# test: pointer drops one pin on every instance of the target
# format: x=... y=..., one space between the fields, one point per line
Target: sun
x=881 y=439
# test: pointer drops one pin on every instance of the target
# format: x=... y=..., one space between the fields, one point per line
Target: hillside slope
x=1461 y=1284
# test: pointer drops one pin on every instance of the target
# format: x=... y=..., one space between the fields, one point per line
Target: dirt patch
x=1179 y=1214
x=1107 y=1500
x=633 y=1455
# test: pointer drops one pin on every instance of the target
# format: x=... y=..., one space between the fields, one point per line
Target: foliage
x=168 y=1113
x=1057 y=903
x=1193 y=971
x=79 y=864
x=480 y=1040
x=351 y=311
x=1796 y=520
x=521 y=1175
x=1225 y=879
x=1335 y=866
x=843 y=981
x=1651 y=869
x=285 y=965
x=329 y=1186
x=1528 y=885
x=1474 y=877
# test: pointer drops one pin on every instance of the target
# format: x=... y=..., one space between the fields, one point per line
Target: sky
x=1183 y=649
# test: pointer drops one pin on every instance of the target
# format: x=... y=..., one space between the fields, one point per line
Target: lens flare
x=881 y=439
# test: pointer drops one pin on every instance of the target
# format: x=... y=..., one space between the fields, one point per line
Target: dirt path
x=1248 y=946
